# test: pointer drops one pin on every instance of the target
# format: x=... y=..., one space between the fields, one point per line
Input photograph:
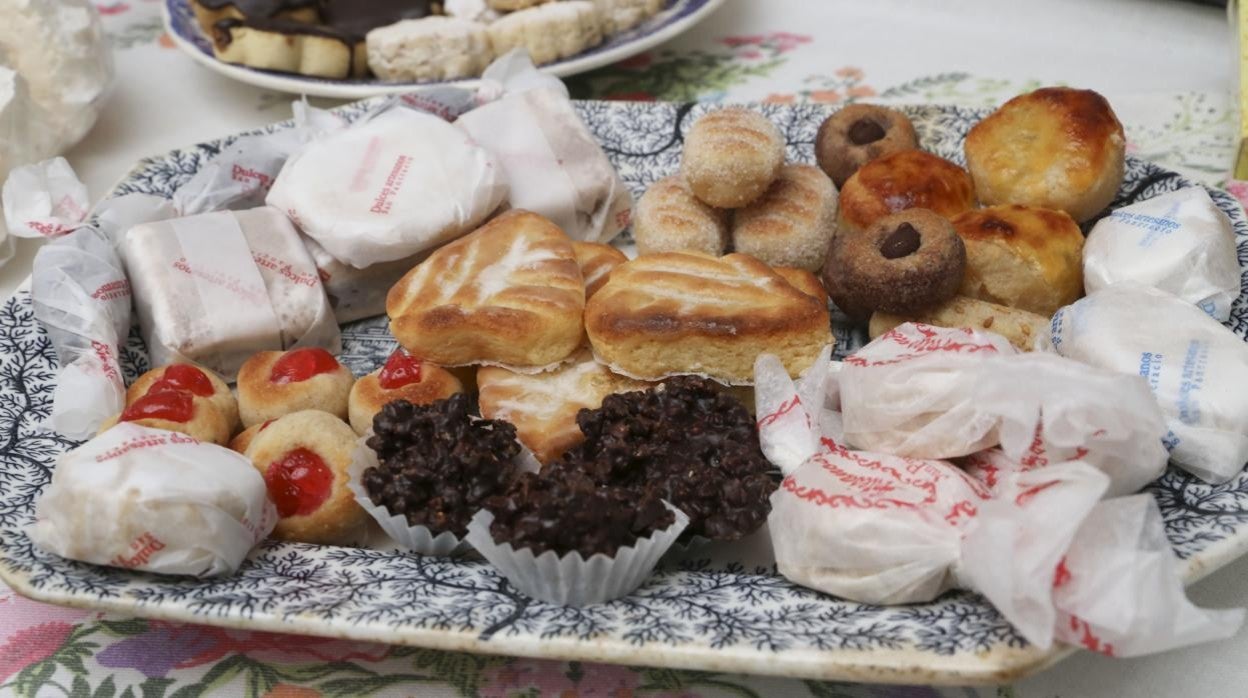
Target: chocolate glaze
x=258 y=8
x=348 y=21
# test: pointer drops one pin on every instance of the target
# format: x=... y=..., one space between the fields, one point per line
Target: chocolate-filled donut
x=904 y=263
x=858 y=134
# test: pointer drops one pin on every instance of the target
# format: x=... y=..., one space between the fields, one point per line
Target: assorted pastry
x=408 y=40
x=551 y=398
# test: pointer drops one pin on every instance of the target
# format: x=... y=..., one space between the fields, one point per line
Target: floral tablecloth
x=1166 y=67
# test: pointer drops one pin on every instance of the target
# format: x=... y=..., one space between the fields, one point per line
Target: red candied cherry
x=298 y=483
x=401 y=369
x=171 y=406
x=183 y=378
x=299 y=365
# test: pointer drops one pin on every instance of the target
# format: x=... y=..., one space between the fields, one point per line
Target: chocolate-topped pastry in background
x=332 y=47
x=903 y=180
x=904 y=263
x=209 y=12
x=1056 y=148
x=859 y=133
x=1022 y=257
x=686 y=441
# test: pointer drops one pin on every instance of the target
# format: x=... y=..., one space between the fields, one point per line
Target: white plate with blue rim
x=676 y=17
x=720 y=607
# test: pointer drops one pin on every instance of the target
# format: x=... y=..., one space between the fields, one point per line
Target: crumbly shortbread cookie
x=433 y=48
x=622 y=15
x=550 y=32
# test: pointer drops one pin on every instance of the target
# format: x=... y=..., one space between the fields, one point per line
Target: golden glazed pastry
x=803 y=281
x=1020 y=327
x=792 y=224
x=404 y=377
x=669 y=218
x=272 y=384
x=686 y=313
x=731 y=156
x=509 y=293
x=596 y=261
x=543 y=406
x=199 y=381
x=904 y=263
x=1027 y=258
x=859 y=133
x=304 y=457
x=1056 y=148
x=903 y=180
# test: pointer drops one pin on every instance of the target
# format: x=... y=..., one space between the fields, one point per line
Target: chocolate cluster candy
x=437 y=463
x=568 y=511
x=687 y=442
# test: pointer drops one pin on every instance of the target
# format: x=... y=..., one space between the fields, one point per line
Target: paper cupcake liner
x=418 y=539
x=571 y=580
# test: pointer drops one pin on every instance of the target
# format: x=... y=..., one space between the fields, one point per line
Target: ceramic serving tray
x=676 y=17
x=718 y=608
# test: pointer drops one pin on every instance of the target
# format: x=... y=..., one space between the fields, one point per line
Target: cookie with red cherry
x=404 y=377
x=304 y=457
x=242 y=441
x=196 y=380
x=273 y=384
x=176 y=410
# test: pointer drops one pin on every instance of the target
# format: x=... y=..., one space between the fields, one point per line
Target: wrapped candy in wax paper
x=883 y=528
x=159 y=501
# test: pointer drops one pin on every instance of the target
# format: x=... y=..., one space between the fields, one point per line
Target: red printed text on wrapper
x=141 y=550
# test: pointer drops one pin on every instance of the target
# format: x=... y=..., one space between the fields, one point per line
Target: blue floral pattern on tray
x=694 y=608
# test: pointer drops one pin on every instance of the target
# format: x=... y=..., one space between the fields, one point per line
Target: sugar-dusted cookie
x=549 y=32
x=669 y=218
x=792 y=223
x=731 y=156
x=622 y=15
x=685 y=313
x=432 y=48
x=543 y=406
x=596 y=260
x=509 y=293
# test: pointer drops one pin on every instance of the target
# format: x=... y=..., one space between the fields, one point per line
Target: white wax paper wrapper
x=880 y=528
x=153 y=500
x=931 y=392
x=571 y=580
x=393 y=184
x=358 y=293
x=1179 y=242
x=215 y=288
x=553 y=164
x=82 y=298
x=45 y=199
x=1197 y=368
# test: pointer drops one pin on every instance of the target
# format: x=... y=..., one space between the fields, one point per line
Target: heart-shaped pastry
x=509 y=293
x=688 y=313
